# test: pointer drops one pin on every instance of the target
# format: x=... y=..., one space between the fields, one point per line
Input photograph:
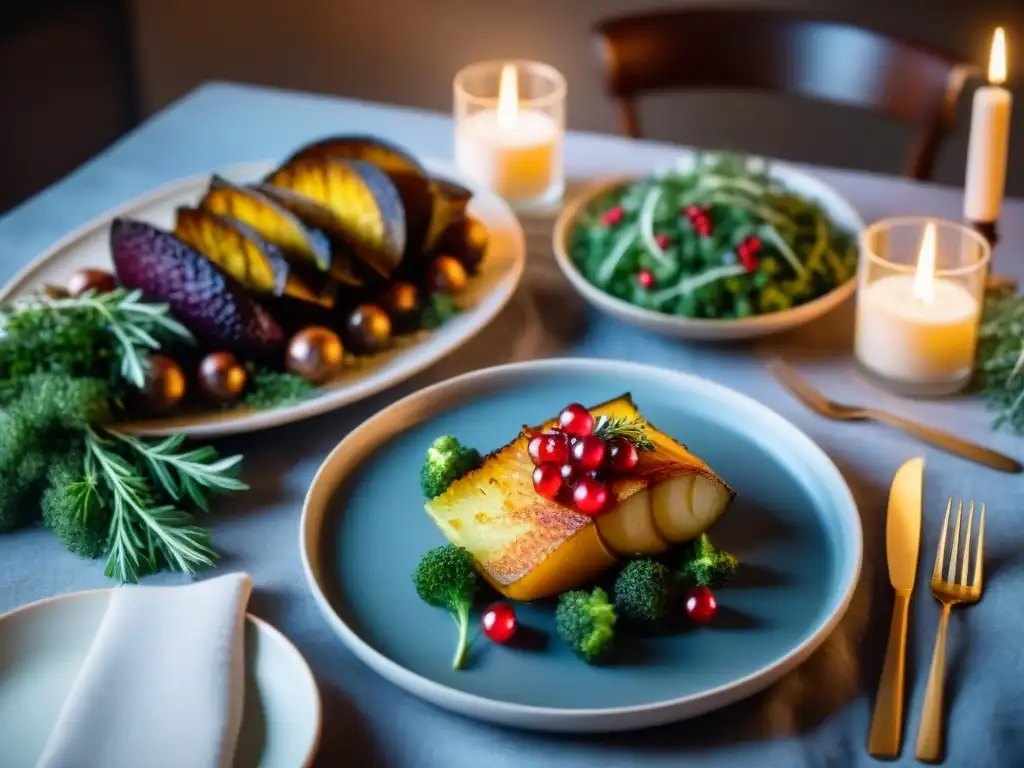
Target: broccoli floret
x=447 y=460
x=705 y=565
x=72 y=508
x=643 y=591
x=586 y=622
x=445 y=578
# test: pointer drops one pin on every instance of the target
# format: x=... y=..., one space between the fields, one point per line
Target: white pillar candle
x=514 y=151
x=989 y=142
x=917 y=328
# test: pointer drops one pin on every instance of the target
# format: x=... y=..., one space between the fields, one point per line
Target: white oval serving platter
x=485 y=297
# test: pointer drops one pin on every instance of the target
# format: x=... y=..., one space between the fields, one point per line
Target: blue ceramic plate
x=794 y=526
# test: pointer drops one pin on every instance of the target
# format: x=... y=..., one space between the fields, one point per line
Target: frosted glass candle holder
x=510 y=128
x=920 y=292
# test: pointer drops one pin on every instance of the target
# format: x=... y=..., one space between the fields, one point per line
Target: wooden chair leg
x=628 y=120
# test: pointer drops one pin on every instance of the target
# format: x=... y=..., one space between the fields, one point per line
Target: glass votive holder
x=920 y=293
x=509 y=130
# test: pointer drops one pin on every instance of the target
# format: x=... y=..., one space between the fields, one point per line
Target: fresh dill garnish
x=632 y=430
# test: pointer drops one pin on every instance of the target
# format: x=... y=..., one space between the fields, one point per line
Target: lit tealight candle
x=919 y=328
x=990 y=137
x=515 y=146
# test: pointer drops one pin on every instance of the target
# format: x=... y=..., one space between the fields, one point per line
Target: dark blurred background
x=76 y=74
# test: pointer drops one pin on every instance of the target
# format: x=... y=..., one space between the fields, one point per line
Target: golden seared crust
x=495 y=513
x=510 y=530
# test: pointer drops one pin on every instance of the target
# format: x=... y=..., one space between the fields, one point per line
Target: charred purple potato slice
x=212 y=305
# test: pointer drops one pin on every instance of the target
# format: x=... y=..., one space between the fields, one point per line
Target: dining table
x=819 y=714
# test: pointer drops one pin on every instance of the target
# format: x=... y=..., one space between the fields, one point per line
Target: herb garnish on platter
x=68 y=367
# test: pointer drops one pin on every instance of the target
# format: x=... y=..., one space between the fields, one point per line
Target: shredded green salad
x=722 y=239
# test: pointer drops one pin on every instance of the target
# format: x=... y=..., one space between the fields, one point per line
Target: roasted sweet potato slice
x=241 y=253
x=365 y=200
x=316 y=215
x=415 y=187
x=450 y=203
x=274 y=223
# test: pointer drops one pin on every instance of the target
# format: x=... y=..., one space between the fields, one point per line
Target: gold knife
x=902 y=538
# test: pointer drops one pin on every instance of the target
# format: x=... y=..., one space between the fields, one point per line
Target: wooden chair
x=758 y=50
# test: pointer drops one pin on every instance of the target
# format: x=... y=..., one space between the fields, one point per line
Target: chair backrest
x=759 y=50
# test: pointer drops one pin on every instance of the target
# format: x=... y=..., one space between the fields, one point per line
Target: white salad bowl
x=839 y=210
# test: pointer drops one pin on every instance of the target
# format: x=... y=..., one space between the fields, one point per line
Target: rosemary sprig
x=133 y=323
x=191 y=471
x=632 y=430
x=144 y=535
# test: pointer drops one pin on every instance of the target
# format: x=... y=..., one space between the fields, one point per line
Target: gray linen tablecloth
x=818 y=715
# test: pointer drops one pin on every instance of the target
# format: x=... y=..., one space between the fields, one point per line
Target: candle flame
x=508 y=97
x=997 y=58
x=924 y=278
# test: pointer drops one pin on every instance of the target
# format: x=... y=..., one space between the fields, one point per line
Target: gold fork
x=949 y=592
x=817 y=402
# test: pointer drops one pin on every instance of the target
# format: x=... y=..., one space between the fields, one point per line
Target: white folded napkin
x=163 y=682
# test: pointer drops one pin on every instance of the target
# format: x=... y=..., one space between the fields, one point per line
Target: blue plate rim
x=356 y=443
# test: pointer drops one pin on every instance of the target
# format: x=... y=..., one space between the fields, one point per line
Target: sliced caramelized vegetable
x=450 y=203
x=318 y=216
x=415 y=187
x=269 y=220
x=386 y=156
x=241 y=253
x=365 y=200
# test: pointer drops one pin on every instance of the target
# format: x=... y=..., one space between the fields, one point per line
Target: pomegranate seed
x=701 y=605
x=662 y=241
x=588 y=453
x=576 y=420
x=622 y=456
x=645 y=278
x=554 y=447
x=533 y=448
x=547 y=480
x=499 y=622
x=612 y=215
x=590 y=496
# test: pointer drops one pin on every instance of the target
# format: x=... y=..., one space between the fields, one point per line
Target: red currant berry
x=612 y=215
x=590 y=496
x=499 y=622
x=569 y=474
x=576 y=420
x=554 y=447
x=622 y=456
x=662 y=241
x=547 y=480
x=701 y=605
x=588 y=453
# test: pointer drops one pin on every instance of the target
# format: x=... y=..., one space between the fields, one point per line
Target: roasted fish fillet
x=529 y=547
